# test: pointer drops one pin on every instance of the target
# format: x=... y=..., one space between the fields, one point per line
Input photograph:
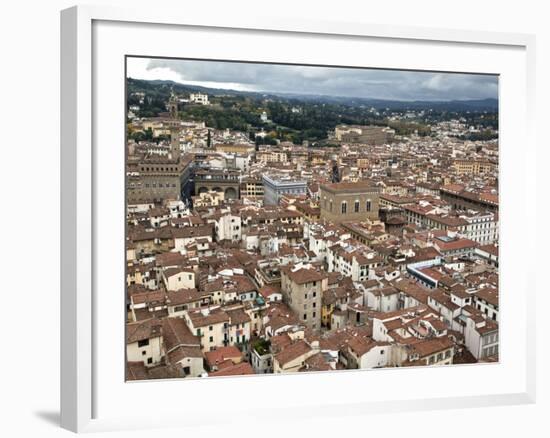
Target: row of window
x=356 y=206
x=292 y=191
x=486 y=352
x=492 y=315
x=241 y=339
x=225 y=325
x=154 y=185
x=439 y=357
x=491 y=339
x=159 y=169
x=480 y=226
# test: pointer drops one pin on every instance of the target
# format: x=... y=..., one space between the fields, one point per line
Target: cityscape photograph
x=293 y=218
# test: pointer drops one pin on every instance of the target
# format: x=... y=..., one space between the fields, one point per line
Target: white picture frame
x=86 y=403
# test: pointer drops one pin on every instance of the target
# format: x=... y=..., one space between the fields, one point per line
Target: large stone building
x=343 y=202
x=155 y=178
x=462 y=199
x=277 y=186
x=252 y=187
x=364 y=134
x=227 y=181
x=473 y=167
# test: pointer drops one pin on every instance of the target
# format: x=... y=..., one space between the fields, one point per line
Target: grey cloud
x=381 y=84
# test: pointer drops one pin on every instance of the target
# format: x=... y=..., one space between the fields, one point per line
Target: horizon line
x=310 y=94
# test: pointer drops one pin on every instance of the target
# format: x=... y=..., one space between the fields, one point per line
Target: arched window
x=368 y=205
x=356 y=208
x=330 y=205
x=344 y=207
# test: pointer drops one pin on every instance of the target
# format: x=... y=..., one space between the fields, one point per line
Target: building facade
x=343 y=202
x=275 y=187
x=199 y=98
x=302 y=290
x=374 y=135
x=218 y=180
x=156 y=178
x=473 y=167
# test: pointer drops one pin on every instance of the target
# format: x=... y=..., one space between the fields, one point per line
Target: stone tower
x=175 y=144
x=173 y=106
x=335 y=173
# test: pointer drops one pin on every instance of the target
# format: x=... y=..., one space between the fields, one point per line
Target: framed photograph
x=324 y=212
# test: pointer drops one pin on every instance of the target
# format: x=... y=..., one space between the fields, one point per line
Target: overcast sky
x=379 y=84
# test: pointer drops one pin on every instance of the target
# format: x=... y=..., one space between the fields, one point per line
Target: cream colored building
x=272 y=156
x=178 y=278
x=144 y=342
x=235 y=148
x=210 y=325
x=473 y=167
x=208 y=199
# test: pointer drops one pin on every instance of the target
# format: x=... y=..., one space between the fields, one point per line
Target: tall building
x=153 y=178
x=343 y=202
x=302 y=290
x=173 y=106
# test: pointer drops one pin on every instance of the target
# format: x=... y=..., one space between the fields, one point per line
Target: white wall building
x=199 y=98
x=229 y=227
x=481 y=337
x=482 y=227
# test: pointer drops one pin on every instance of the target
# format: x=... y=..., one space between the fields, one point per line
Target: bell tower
x=335 y=172
x=175 y=144
x=173 y=105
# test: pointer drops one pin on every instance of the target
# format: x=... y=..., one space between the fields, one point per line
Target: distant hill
x=451 y=105
x=163 y=87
